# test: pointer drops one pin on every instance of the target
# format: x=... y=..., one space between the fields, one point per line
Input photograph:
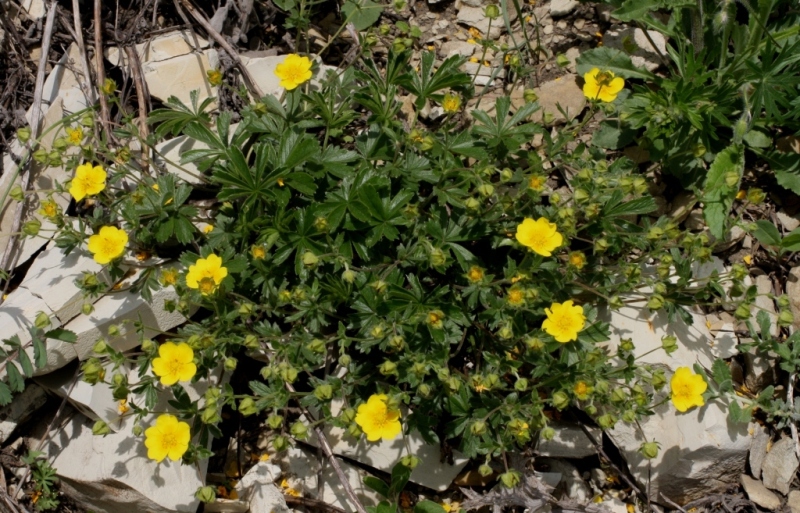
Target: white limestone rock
x=701 y=452
x=569 y=442
x=780 y=465
x=161 y=48
x=179 y=76
x=258 y=489
x=562 y=92
x=634 y=42
x=758 y=493
x=765 y=303
x=562 y=7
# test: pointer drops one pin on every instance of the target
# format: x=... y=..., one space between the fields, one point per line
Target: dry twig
x=105 y=116
x=87 y=72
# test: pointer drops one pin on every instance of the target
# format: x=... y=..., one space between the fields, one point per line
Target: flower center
x=294 y=73
x=110 y=247
x=207 y=285
x=169 y=441
x=174 y=366
x=563 y=323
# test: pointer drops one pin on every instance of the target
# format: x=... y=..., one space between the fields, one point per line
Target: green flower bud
x=354 y=431
x=626 y=344
x=616 y=302
x=316 y=346
x=505 y=332
x=427 y=141
x=534 y=343
x=93 y=371
x=410 y=461
x=529 y=95
x=267 y=372
x=562 y=60
x=660 y=288
x=348 y=415
x=17 y=194
x=100 y=347
x=210 y=415
x=40 y=156
x=148 y=346
x=756 y=196
x=137 y=429
x=24 y=134
x=100 y=428
x=246 y=309
x=472 y=203
x=443 y=374
x=555 y=198
x=656 y=302
x=114 y=330
x=299 y=430
x=280 y=443
x=485 y=470
x=491 y=11
x=785 y=318
x=506 y=175
x=783 y=301
x=548 y=433
x=251 y=342
x=580 y=195
x=42 y=320
x=288 y=374
x=478 y=428
x=590 y=409
x=601 y=245
x=206 y=494
x=601 y=387
x=230 y=364
x=485 y=189
x=247 y=406
x=87 y=308
x=397 y=342
x=649 y=450
x=438 y=257
x=424 y=390
x=658 y=380
x=510 y=479
x=560 y=400
x=618 y=395
x=379 y=286
x=384 y=29
x=629 y=416
x=323 y=392
x=742 y=312
x=310 y=259
x=349 y=276
x=521 y=385
x=388 y=368
x=345 y=360
x=321 y=224
x=59 y=145
x=31 y=228
x=453 y=384
x=655 y=233
x=669 y=343
x=731 y=179
x=119 y=380
x=606 y=421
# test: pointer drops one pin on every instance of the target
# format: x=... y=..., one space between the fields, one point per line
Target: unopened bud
x=100 y=428
x=510 y=479
x=100 y=347
x=299 y=430
x=206 y=494
x=649 y=450
x=669 y=343
x=560 y=400
x=230 y=364
x=247 y=406
x=32 y=227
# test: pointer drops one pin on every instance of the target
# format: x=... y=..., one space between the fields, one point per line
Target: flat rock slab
x=780 y=465
x=113 y=474
x=561 y=94
x=569 y=442
x=758 y=450
x=634 y=42
x=759 y=493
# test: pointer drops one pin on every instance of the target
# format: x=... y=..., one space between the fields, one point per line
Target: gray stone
x=758 y=449
x=461 y=48
x=701 y=452
x=765 y=303
x=794 y=501
x=634 y=42
x=789 y=222
x=780 y=465
x=475 y=17
x=793 y=291
x=562 y=7
x=561 y=92
x=683 y=203
x=569 y=442
x=574 y=485
x=257 y=488
x=21 y=408
x=759 y=493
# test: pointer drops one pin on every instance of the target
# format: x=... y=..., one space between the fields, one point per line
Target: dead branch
x=142 y=95
x=105 y=116
x=216 y=36
x=87 y=73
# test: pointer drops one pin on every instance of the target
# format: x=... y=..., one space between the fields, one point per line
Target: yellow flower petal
x=541 y=235
x=687 y=389
x=294 y=71
x=564 y=321
x=376 y=419
x=108 y=244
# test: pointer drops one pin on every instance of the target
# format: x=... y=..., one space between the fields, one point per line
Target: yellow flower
x=536 y=183
x=293 y=71
x=687 y=389
x=214 y=77
x=123 y=407
x=451 y=103
x=577 y=259
x=451 y=506
x=435 y=319
x=602 y=85
x=258 y=252
x=541 y=235
x=49 y=209
x=88 y=181
x=175 y=362
x=169 y=438
x=208 y=228
x=206 y=274
x=280 y=182
x=169 y=276
x=475 y=274
x=564 y=321
x=519 y=277
x=516 y=296
x=377 y=420
x=75 y=135
x=108 y=244
x=582 y=390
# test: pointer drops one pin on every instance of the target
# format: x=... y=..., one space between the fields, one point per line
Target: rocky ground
x=704 y=462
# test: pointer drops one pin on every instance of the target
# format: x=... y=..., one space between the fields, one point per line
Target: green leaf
x=767 y=233
x=718 y=195
x=609 y=59
x=378 y=485
x=39 y=352
x=15 y=380
x=362 y=13
x=612 y=136
x=427 y=506
x=635 y=9
x=792 y=241
x=757 y=139
x=634 y=207
x=25 y=363
x=400 y=476
x=62 y=335
x=5 y=394
x=737 y=415
x=722 y=375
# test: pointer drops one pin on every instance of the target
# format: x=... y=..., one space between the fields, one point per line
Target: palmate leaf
x=428 y=82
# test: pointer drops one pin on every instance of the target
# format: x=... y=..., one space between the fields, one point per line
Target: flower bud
x=656 y=302
x=478 y=428
x=785 y=318
x=354 y=431
x=601 y=245
x=114 y=330
x=485 y=189
x=534 y=343
x=510 y=479
x=17 y=194
x=453 y=384
x=410 y=461
x=348 y=415
x=424 y=390
x=388 y=368
x=618 y=395
x=137 y=429
x=280 y=443
x=310 y=259
x=210 y=415
x=521 y=385
x=626 y=344
x=731 y=179
x=379 y=286
x=548 y=433
x=472 y=203
x=560 y=400
x=756 y=196
x=288 y=373
x=93 y=371
x=742 y=312
x=323 y=392
x=100 y=428
x=669 y=343
x=506 y=175
x=438 y=257
x=87 y=308
x=321 y=224
x=251 y=342
x=42 y=320
x=345 y=360
x=206 y=494
x=658 y=380
x=485 y=470
x=349 y=276
x=40 y=156
x=491 y=11
x=377 y=331
x=230 y=364
x=505 y=332
x=629 y=416
x=24 y=134
x=108 y=87
x=783 y=301
x=649 y=450
x=32 y=227
x=247 y=406
x=246 y=309
x=529 y=95
x=59 y=145
x=100 y=347
x=299 y=430
x=606 y=421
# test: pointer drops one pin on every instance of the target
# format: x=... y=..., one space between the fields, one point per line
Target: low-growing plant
x=395 y=279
